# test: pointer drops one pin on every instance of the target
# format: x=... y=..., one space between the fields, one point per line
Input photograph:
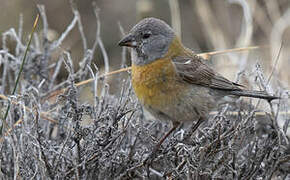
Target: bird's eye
x=146 y=35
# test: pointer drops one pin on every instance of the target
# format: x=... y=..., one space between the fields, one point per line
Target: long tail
x=254 y=94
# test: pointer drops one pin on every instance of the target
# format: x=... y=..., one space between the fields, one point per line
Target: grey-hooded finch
x=172 y=82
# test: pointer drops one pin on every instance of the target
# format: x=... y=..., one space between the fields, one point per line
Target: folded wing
x=192 y=70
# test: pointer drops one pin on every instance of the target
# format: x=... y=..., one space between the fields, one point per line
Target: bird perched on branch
x=170 y=80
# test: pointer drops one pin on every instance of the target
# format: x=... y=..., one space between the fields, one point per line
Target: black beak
x=128 y=41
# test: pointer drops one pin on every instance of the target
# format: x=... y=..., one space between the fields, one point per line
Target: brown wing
x=192 y=70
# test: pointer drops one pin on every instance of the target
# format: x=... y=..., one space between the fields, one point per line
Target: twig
x=58 y=42
x=231 y=50
x=245 y=36
x=275 y=64
x=175 y=16
x=80 y=25
x=124 y=49
x=41 y=10
x=20 y=29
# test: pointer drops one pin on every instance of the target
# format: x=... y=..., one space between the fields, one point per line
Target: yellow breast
x=155 y=84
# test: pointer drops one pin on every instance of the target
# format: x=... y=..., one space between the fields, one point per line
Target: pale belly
x=191 y=105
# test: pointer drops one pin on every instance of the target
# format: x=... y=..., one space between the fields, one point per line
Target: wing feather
x=194 y=71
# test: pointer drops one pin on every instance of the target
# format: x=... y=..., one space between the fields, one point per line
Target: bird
x=171 y=81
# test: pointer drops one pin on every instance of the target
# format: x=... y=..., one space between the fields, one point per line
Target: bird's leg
x=149 y=159
x=175 y=125
x=192 y=129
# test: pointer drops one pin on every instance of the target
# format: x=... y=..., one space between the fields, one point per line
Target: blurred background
x=203 y=25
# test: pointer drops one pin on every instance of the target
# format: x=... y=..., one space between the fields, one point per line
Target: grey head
x=149 y=40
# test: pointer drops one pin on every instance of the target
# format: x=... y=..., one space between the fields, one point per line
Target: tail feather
x=254 y=94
